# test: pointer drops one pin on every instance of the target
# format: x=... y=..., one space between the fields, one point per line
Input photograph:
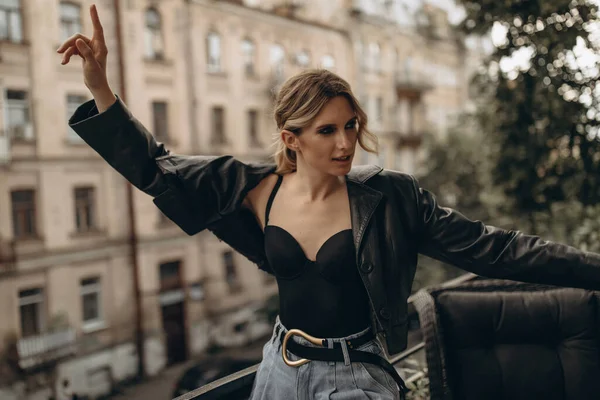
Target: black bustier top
x=325 y=297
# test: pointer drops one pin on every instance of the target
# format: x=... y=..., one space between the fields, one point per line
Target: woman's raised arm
x=93 y=53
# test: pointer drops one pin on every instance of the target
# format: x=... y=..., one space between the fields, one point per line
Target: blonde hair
x=298 y=102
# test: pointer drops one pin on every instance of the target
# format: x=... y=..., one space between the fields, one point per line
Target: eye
x=326 y=131
x=351 y=125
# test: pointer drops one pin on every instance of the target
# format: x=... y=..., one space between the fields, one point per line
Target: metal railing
x=412 y=80
x=46 y=347
x=239 y=384
x=8 y=254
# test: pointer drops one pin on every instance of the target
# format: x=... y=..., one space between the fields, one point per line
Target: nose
x=344 y=140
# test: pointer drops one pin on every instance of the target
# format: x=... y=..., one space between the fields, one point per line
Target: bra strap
x=271 y=197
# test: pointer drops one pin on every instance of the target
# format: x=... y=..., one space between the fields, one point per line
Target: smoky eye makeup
x=327 y=129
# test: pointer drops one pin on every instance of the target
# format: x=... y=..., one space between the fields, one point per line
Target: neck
x=315 y=185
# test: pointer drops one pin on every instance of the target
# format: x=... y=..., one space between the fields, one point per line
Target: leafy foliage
x=545 y=114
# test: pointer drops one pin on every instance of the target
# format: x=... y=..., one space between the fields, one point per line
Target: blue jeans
x=319 y=380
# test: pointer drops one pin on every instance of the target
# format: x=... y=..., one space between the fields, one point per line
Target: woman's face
x=331 y=136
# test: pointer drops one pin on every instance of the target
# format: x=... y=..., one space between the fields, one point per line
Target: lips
x=343 y=158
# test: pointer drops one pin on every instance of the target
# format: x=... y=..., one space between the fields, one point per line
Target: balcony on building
x=404 y=138
x=411 y=84
x=7 y=256
x=287 y=8
x=46 y=349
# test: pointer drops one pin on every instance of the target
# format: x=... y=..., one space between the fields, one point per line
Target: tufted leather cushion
x=522 y=345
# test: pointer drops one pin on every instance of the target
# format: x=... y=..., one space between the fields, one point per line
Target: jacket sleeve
x=449 y=236
x=123 y=142
x=193 y=191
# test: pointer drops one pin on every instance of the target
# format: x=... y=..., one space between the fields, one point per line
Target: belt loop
x=277 y=330
x=345 y=352
x=330 y=343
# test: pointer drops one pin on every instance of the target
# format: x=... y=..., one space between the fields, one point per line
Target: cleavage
x=333 y=260
x=323 y=246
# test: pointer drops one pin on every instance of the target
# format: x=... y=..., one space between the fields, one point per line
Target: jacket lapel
x=363 y=201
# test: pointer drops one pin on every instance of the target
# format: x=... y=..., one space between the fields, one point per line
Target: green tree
x=458 y=171
x=545 y=117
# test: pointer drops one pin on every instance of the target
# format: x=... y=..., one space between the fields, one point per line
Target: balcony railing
x=8 y=257
x=411 y=83
x=39 y=350
x=410 y=364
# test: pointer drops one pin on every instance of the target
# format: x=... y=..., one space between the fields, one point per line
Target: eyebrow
x=333 y=125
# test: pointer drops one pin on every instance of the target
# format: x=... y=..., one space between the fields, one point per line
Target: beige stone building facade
x=200 y=74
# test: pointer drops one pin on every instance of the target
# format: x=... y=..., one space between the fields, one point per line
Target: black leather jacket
x=393 y=219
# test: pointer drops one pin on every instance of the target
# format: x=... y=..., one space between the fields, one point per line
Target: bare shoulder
x=256 y=199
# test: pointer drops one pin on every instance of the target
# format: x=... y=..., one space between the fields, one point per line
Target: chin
x=341 y=170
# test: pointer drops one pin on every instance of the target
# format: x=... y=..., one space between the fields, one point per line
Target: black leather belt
x=336 y=353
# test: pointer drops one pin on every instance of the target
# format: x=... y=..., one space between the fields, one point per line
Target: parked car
x=210 y=370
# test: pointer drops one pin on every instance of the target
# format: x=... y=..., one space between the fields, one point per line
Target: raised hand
x=93 y=53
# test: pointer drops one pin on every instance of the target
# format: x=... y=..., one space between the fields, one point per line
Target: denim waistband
x=279 y=327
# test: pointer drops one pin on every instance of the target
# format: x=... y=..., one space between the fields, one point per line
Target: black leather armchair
x=496 y=339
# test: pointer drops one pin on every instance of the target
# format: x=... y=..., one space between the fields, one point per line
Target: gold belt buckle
x=297 y=332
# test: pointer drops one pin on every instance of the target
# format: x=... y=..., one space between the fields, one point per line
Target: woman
x=341 y=241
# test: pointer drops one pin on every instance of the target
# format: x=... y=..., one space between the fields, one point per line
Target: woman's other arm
x=449 y=236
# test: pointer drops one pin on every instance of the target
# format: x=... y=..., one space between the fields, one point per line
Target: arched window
x=70 y=19
x=153 y=35
x=213 y=52
x=375 y=52
x=249 y=57
x=277 y=60
x=303 y=58
x=328 y=62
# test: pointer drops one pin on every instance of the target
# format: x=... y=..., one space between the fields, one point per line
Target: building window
x=249 y=57
x=396 y=67
x=11 y=26
x=213 y=52
x=160 y=121
x=73 y=102
x=153 y=35
x=70 y=19
x=361 y=53
x=170 y=276
x=375 y=55
x=85 y=209
x=91 y=300
x=277 y=60
x=328 y=62
x=379 y=110
x=253 y=128
x=408 y=67
x=23 y=213
x=218 y=126
x=196 y=291
x=31 y=308
x=303 y=58
x=17 y=115
x=231 y=275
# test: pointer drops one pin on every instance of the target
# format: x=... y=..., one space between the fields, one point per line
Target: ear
x=290 y=139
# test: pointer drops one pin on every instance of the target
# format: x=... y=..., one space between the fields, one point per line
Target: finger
x=71 y=42
x=71 y=51
x=98 y=31
x=85 y=50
